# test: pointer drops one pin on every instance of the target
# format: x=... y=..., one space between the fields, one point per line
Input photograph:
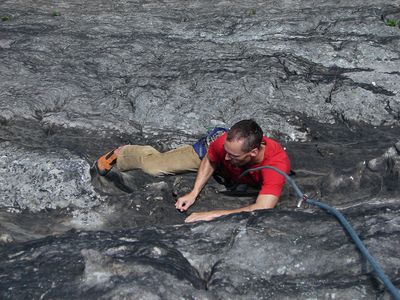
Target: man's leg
x=179 y=160
x=131 y=157
x=153 y=162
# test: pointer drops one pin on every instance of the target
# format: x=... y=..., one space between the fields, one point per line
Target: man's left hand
x=202 y=216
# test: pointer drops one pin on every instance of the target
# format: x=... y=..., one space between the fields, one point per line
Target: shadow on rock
x=378 y=176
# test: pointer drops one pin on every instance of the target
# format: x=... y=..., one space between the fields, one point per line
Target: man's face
x=235 y=155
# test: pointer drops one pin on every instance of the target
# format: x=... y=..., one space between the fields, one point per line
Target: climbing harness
x=202 y=144
x=304 y=199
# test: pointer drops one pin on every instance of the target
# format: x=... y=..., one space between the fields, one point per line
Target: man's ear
x=254 y=152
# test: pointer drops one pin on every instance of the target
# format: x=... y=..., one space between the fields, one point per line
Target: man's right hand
x=184 y=202
x=204 y=173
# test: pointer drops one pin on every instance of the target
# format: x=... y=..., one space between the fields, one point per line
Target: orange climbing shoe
x=105 y=163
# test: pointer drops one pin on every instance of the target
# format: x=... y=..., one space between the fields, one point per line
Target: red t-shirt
x=268 y=180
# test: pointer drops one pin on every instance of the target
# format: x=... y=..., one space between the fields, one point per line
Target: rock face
x=125 y=65
x=77 y=79
x=56 y=180
x=283 y=254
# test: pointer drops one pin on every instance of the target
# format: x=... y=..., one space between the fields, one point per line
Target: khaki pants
x=155 y=163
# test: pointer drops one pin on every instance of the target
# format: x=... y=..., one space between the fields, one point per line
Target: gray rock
x=31 y=179
x=126 y=65
x=78 y=79
x=236 y=256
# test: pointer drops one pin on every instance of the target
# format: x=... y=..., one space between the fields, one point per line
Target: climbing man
x=225 y=153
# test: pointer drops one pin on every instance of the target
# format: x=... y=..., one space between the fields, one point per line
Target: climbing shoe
x=105 y=163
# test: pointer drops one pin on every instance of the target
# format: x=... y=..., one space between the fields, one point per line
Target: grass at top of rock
x=5 y=18
x=392 y=22
x=251 y=12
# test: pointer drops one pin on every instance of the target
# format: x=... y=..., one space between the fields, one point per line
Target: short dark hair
x=248 y=131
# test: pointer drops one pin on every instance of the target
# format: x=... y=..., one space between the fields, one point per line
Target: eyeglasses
x=235 y=157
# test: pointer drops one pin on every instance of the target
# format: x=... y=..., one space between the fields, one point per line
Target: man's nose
x=227 y=157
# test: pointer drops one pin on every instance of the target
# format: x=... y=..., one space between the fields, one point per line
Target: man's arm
x=204 y=173
x=262 y=202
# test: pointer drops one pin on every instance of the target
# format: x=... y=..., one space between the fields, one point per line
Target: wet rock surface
x=77 y=79
x=281 y=254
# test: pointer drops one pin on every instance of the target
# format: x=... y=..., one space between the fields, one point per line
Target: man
x=243 y=147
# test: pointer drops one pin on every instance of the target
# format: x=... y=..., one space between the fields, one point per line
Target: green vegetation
x=251 y=12
x=56 y=14
x=5 y=18
x=392 y=22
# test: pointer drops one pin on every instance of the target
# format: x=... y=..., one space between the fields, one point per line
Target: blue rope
x=378 y=270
